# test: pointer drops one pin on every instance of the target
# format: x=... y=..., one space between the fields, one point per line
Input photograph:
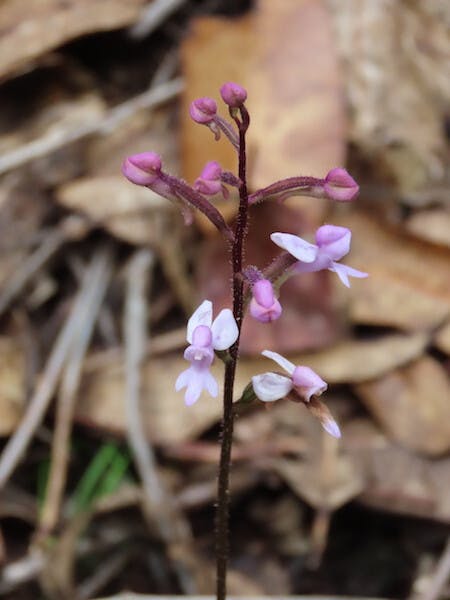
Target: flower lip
x=203 y=110
x=307 y=382
x=334 y=240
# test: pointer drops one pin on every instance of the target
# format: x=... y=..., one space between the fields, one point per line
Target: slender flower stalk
x=237 y=257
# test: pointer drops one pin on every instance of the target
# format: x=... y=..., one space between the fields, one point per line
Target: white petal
x=224 y=330
x=271 y=386
x=210 y=383
x=182 y=380
x=298 y=247
x=201 y=316
x=280 y=360
x=344 y=272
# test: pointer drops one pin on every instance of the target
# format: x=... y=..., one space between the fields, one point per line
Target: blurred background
x=107 y=480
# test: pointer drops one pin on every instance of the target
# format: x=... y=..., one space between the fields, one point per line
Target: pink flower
x=233 y=94
x=270 y=387
x=340 y=186
x=333 y=243
x=209 y=182
x=204 y=336
x=203 y=110
x=142 y=169
x=264 y=307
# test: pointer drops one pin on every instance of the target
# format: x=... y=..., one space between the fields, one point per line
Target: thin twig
x=36 y=260
x=69 y=388
x=173 y=530
x=57 y=139
x=153 y=16
x=46 y=386
x=103 y=573
x=440 y=577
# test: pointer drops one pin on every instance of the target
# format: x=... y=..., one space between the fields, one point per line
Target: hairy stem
x=223 y=492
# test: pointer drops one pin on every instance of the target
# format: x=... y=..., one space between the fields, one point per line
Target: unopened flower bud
x=340 y=186
x=233 y=94
x=142 y=169
x=203 y=110
x=264 y=307
x=209 y=182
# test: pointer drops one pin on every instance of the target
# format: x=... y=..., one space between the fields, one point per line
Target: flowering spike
x=203 y=110
x=264 y=307
x=142 y=169
x=233 y=94
x=340 y=186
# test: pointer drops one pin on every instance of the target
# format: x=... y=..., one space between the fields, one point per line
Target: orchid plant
x=252 y=288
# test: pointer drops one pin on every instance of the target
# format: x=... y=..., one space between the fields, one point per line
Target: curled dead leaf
x=412 y=404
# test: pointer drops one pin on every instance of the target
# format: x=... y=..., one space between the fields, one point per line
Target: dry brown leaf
x=46 y=24
x=395 y=305
x=431 y=225
x=166 y=418
x=398 y=82
x=128 y=212
x=398 y=265
x=412 y=404
x=283 y=53
x=442 y=338
x=353 y=361
x=397 y=479
x=22 y=211
x=12 y=385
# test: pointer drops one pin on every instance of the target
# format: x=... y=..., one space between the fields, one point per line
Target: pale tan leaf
x=166 y=418
x=411 y=275
x=391 y=302
x=46 y=24
x=129 y=212
x=12 y=385
x=354 y=361
x=431 y=225
x=398 y=480
x=412 y=404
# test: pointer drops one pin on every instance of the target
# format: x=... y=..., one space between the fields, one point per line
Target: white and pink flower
x=332 y=244
x=204 y=336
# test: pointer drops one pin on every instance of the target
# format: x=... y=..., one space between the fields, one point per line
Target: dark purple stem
x=223 y=493
x=307 y=185
x=188 y=194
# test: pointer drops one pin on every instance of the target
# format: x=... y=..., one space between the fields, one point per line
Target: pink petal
x=271 y=386
x=331 y=427
x=201 y=316
x=307 y=382
x=298 y=247
x=280 y=360
x=224 y=329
